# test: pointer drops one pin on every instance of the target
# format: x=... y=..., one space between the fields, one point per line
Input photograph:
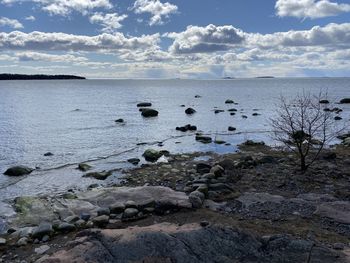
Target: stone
x=218 y=111
x=130 y=212
x=152 y=155
x=134 y=161
x=148 y=113
x=203 y=139
x=217 y=170
x=203 y=168
x=117 y=208
x=103 y=211
x=324 y=101
x=227 y=164
x=99 y=175
x=204 y=223
x=66 y=227
x=190 y=111
x=119 y=121
x=196 y=198
x=80 y=223
x=186 y=128
x=130 y=204
x=2 y=241
x=71 y=219
x=338 y=118
x=45 y=238
x=101 y=221
x=42 y=230
x=18 y=170
x=84 y=167
x=85 y=216
x=22 y=242
x=230 y=128
x=48 y=154
x=229 y=101
x=344 y=101
x=42 y=249
x=232 y=110
x=144 y=104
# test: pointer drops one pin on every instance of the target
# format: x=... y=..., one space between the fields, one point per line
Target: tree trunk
x=303 y=166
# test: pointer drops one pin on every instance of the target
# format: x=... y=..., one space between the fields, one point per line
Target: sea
x=75 y=121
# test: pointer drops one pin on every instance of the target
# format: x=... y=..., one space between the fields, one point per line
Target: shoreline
x=257 y=185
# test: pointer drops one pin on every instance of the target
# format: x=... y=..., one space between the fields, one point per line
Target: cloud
x=13 y=23
x=109 y=22
x=309 y=8
x=157 y=9
x=205 y=39
x=41 y=41
x=64 y=7
x=30 y=18
x=35 y=56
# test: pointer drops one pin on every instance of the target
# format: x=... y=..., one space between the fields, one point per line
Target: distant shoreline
x=37 y=77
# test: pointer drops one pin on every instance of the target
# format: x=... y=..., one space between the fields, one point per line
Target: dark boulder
x=229 y=102
x=48 y=154
x=134 y=161
x=149 y=113
x=84 y=167
x=186 y=128
x=203 y=168
x=218 y=111
x=152 y=155
x=144 y=104
x=338 y=118
x=344 y=101
x=99 y=175
x=18 y=170
x=203 y=139
x=190 y=111
x=324 y=101
x=230 y=128
x=119 y=120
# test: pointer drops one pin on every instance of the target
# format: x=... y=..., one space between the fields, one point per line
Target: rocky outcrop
x=345 y=100
x=189 y=243
x=147 y=113
x=190 y=111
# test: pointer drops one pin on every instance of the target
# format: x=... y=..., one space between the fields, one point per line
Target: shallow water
x=75 y=121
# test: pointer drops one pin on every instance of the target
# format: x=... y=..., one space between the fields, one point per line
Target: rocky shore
x=250 y=206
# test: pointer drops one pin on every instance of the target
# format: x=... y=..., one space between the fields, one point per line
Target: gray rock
x=103 y=211
x=18 y=170
x=66 y=227
x=42 y=249
x=71 y=219
x=117 y=208
x=203 y=168
x=134 y=161
x=130 y=204
x=152 y=155
x=196 y=199
x=338 y=211
x=42 y=230
x=22 y=242
x=101 y=221
x=45 y=238
x=130 y=212
x=99 y=175
x=217 y=170
x=2 y=241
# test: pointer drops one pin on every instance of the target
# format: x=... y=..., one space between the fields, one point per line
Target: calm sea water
x=75 y=121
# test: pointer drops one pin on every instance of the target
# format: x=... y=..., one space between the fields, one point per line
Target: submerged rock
x=190 y=111
x=186 y=128
x=324 y=101
x=99 y=175
x=229 y=102
x=152 y=155
x=147 y=113
x=134 y=161
x=203 y=139
x=84 y=167
x=119 y=121
x=48 y=154
x=18 y=170
x=230 y=128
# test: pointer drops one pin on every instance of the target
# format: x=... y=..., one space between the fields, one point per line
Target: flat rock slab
x=248 y=199
x=188 y=243
x=338 y=211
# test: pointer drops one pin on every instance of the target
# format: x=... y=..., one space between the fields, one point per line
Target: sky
x=176 y=38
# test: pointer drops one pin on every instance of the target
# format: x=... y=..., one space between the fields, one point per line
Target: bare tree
x=305 y=126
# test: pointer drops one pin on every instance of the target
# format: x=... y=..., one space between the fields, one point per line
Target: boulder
x=119 y=120
x=190 y=111
x=152 y=155
x=218 y=111
x=229 y=102
x=84 y=167
x=147 y=113
x=144 y=104
x=324 y=101
x=101 y=221
x=134 y=161
x=203 y=139
x=42 y=230
x=345 y=100
x=203 y=168
x=217 y=170
x=48 y=154
x=232 y=110
x=230 y=128
x=338 y=118
x=338 y=211
x=18 y=170
x=99 y=175
x=196 y=198
x=186 y=128
x=66 y=227
x=130 y=213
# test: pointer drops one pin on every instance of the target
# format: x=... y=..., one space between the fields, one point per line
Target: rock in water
x=48 y=154
x=324 y=101
x=149 y=113
x=98 y=175
x=119 y=120
x=190 y=111
x=230 y=128
x=18 y=170
x=84 y=167
x=151 y=155
x=134 y=161
x=144 y=104
x=203 y=139
x=42 y=230
x=229 y=102
x=344 y=101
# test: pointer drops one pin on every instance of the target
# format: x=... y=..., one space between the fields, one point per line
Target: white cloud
x=36 y=56
x=13 y=23
x=309 y=8
x=41 y=41
x=205 y=39
x=109 y=22
x=157 y=9
x=64 y=7
x=30 y=18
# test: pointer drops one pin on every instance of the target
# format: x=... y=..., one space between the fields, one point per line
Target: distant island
x=265 y=77
x=37 y=77
x=228 y=78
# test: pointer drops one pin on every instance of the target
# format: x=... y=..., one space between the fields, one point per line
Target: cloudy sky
x=176 y=38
